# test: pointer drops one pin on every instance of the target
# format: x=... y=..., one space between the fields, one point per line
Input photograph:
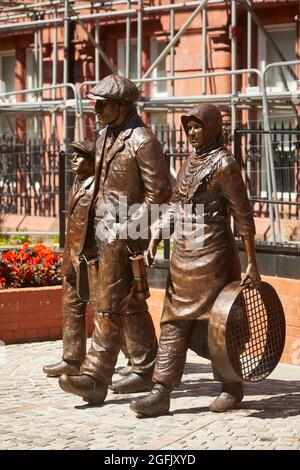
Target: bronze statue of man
x=200 y=268
x=129 y=165
x=74 y=307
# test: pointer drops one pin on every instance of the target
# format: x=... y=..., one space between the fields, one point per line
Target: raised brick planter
x=289 y=293
x=34 y=314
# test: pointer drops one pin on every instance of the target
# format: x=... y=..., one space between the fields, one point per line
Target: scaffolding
x=19 y=16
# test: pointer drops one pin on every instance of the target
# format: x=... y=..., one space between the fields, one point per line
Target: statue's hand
x=151 y=251
x=251 y=277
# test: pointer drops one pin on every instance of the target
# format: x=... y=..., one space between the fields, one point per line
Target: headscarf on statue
x=203 y=162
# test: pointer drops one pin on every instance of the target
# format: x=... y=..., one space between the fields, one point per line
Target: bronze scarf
x=203 y=163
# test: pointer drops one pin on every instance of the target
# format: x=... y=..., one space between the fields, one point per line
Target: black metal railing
x=30 y=182
x=29 y=177
x=250 y=152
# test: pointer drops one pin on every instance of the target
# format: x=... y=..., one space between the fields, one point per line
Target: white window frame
x=30 y=79
x=122 y=54
x=153 y=54
x=8 y=53
x=262 y=49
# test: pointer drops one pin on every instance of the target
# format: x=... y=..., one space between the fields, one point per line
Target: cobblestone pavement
x=36 y=414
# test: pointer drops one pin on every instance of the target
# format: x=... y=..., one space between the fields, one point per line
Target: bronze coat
x=135 y=168
x=212 y=178
x=80 y=198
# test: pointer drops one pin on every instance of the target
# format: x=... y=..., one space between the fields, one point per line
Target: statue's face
x=108 y=112
x=80 y=165
x=195 y=133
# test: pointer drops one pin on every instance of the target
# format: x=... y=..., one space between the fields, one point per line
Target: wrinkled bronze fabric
x=175 y=339
x=210 y=178
x=74 y=322
x=106 y=342
x=129 y=163
x=137 y=330
x=211 y=182
x=73 y=308
x=133 y=167
x=78 y=209
x=197 y=276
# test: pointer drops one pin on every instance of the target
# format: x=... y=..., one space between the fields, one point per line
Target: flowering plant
x=30 y=267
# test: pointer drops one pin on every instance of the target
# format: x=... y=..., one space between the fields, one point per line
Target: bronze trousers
x=74 y=324
x=106 y=342
x=139 y=348
x=174 y=341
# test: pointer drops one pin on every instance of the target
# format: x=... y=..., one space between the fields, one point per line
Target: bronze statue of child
x=73 y=306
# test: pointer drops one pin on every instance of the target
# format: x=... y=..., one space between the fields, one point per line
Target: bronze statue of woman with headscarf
x=200 y=267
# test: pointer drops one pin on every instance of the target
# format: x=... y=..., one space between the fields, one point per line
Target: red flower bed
x=30 y=267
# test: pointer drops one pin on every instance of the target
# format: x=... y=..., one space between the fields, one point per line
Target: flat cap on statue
x=115 y=87
x=86 y=148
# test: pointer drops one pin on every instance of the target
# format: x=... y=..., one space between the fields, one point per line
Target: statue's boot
x=62 y=367
x=84 y=386
x=231 y=394
x=132 y=383
x=157 y=403
x=124 y=371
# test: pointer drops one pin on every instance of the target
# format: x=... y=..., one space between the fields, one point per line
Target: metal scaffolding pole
x=97 y=53
x=233 y=68
x=36 y=90
x=40 y=37
x=95 y=43
x=176 y=37
x=62 y=154
x=36 y=74
x=172 y=50
x=128 y=40
x=66 y=73
x=227 y=98
x=249 y=46
x=54 y=74
x=249 y=83
x=204 y=52
x=269 y=161
x=259 y=24
x=139 y=38
x=49 y=11
x=268 y=135
x=172 y=85
x=106 y=15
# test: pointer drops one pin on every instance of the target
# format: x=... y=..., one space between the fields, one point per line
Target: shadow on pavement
x=285 y=403
x=281 y=406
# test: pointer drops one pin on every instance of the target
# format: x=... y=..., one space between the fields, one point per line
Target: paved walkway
x=36 y=414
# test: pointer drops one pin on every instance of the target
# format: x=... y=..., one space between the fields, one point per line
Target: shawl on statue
x=205 y=160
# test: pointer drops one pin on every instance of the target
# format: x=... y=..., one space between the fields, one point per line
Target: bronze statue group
x=127 y=162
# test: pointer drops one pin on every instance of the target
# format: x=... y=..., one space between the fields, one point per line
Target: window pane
x=132 y=58
x=133 y=61
x=286 y=42
x=8 y=76
x=161 y=69
x=8 y=73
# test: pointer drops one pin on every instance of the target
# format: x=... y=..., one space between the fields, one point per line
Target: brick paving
x=36 y=414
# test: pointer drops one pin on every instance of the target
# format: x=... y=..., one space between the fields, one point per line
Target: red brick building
x=32 y=53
